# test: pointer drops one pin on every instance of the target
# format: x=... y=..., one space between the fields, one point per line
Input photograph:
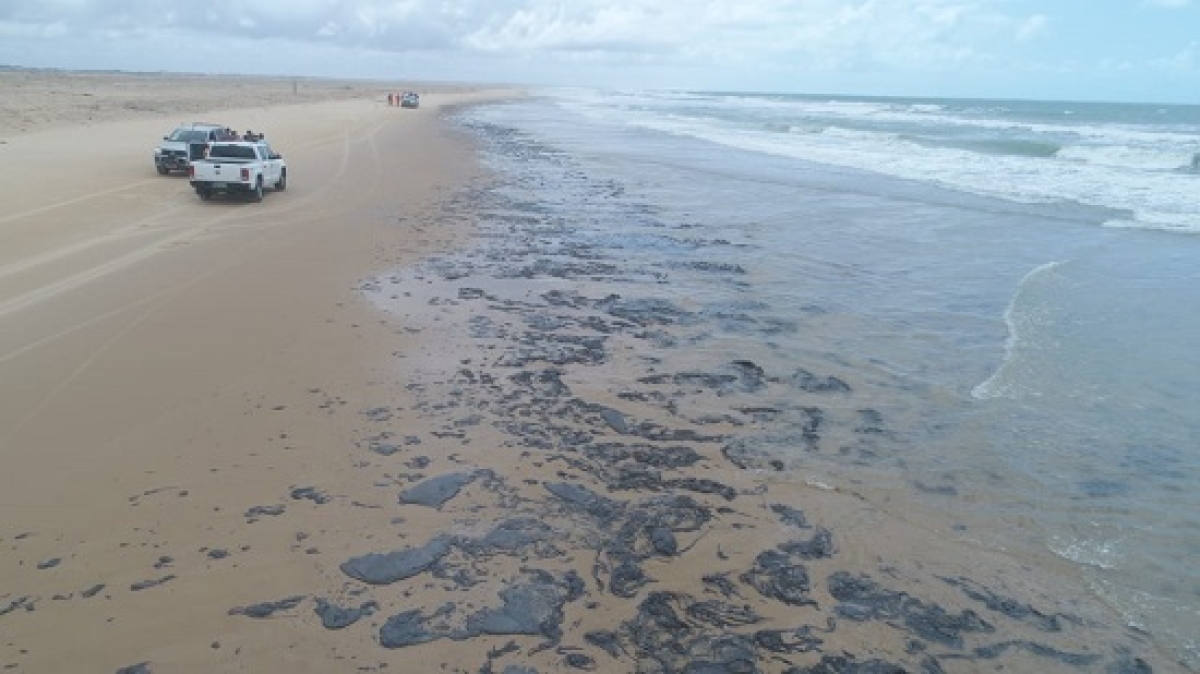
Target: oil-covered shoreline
x=611 y=499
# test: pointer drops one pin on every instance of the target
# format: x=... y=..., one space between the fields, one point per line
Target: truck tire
x=162 y=170
x=257 y=194
x=204 y=194
x=282 y=184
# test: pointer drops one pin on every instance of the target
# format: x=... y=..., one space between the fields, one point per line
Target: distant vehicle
x=185 y=144
x=410 y=99
x=238 y=167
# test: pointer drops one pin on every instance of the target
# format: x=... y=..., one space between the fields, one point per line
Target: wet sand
x=220 y=454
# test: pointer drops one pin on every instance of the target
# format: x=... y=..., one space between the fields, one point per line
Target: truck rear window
x=232 y=152
x=189 y=136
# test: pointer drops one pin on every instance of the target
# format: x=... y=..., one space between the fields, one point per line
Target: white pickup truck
x=238 y=167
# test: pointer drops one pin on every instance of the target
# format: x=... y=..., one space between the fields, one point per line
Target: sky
x=1106 y=50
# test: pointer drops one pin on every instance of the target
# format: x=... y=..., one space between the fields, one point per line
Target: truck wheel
x=162 y=170
x=282 y=184
x=204 y=195
x=257 y=194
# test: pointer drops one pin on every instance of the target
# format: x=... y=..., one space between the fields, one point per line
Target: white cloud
x=664 y=42
x=749 y=26
x=1185 y=61
x=48 y=31
x=614 y=28
x=1033 y=28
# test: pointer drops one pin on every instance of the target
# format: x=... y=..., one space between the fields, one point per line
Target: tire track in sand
x=145 y=307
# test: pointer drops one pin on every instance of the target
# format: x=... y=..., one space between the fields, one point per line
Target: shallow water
x=1034 y=368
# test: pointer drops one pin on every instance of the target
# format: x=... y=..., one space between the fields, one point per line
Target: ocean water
x=1014 y=285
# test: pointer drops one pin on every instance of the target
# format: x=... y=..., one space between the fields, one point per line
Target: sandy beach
x=159 y=354
x=220 y=455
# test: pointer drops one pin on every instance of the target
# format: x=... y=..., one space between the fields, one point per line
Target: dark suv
x=186 y=143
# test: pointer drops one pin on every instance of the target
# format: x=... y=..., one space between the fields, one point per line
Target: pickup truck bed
x=238 y=167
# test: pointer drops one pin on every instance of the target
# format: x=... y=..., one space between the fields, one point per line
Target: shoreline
x=343 y=429
x=563 y=358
